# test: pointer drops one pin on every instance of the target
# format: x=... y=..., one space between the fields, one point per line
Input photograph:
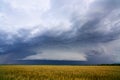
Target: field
x=25 y=72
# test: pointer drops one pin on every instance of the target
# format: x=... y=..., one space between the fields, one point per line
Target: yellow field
x=22 y=72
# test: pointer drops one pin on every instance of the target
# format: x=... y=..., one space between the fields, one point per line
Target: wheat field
x=26 y=72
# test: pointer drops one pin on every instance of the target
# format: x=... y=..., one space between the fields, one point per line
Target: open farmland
x=29 y=72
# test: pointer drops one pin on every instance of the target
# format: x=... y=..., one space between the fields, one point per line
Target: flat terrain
x=26 y=72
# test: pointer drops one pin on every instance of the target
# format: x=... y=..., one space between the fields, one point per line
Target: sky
x=75 y=30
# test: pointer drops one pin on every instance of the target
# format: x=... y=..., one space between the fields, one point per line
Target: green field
x=24 y=72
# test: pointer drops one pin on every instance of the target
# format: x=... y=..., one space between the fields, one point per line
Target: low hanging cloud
x=60 y=30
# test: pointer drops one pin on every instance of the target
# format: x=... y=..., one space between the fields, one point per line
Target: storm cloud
x=60 y=30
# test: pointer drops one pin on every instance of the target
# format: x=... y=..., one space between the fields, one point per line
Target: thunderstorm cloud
x=77 y=30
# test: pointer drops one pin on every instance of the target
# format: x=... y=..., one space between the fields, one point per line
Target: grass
x=24 y=72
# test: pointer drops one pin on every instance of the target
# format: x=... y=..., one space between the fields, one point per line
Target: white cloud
x=27 y=14
x=57 y=55
x=29 y=5
x=22 y=13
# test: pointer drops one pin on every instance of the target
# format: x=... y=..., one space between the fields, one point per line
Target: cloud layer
x=60 y=30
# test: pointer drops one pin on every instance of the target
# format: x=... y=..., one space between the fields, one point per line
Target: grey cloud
x=83 y=35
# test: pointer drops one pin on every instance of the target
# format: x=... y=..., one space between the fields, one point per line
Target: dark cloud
x=85 y=35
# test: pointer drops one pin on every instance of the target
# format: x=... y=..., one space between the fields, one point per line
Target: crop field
x=36 y=72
